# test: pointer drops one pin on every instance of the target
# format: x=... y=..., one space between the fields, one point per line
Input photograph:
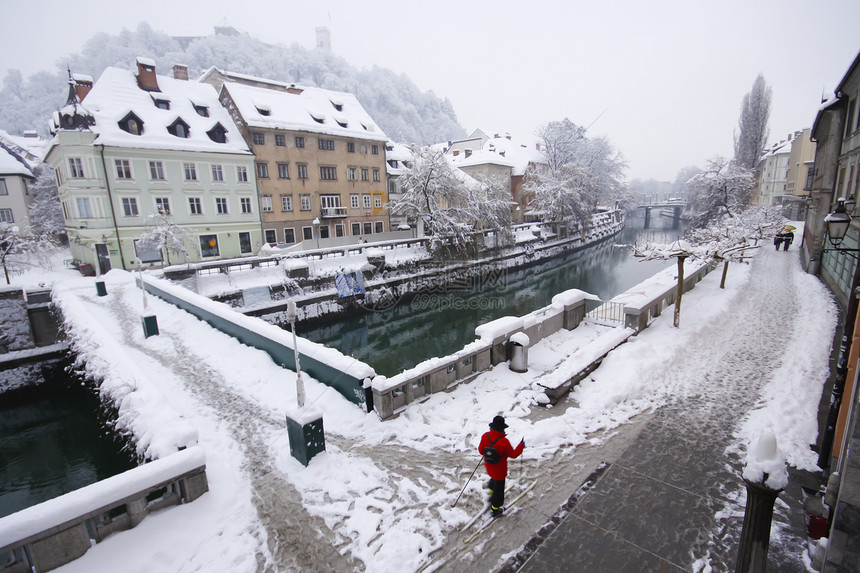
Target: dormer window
x=342 y=123
x=218 y=134
x=179 y=128
x=201 y=110
x=161 y=103
x=131 y=124
x=263 y=109
x=317 y=117
x=337 y=105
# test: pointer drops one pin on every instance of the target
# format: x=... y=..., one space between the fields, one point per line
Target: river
x=440 y=323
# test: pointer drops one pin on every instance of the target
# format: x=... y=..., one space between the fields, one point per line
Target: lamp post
x=316 y=224
x=300 y=385
x=836 y=227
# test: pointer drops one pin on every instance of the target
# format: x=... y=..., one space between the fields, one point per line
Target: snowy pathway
x=379 y=499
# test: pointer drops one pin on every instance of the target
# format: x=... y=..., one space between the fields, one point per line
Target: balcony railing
x=333 y=212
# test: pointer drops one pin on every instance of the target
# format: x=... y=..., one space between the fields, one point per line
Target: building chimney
x=83 y=85
x=180 y=72
x=31 y=134
x=294 y=90
x=537 y=146
x=146 y=75
x=508 y=136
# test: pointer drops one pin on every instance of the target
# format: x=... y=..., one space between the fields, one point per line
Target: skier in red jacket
x=496 y=450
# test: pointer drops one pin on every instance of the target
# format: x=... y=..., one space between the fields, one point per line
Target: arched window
x=179 y=128
x=217 y=134
x=131 y=124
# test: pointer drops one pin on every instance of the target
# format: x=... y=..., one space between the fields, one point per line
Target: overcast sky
x=663 y=79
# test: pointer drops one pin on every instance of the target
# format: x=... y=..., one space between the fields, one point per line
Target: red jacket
x=499 y=471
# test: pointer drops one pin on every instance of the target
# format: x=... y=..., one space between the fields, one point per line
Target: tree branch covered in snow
x=22 y=249
x=581 y=171
x=163 y=234
x=724 y=188
x=46 y=213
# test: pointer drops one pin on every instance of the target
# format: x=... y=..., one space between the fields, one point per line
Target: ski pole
x=467 y=482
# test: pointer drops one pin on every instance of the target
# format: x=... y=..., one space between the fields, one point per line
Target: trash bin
x=101 y=290
x=520 y=352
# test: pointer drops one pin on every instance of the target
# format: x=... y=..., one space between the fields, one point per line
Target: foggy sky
x=663 y=79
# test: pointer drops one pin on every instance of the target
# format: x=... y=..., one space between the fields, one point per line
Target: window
x=241 y=174
x=324 y=232
x=245 y=204
x=289 y=235
x=209 y=245
x=307 y=233
x=162 y=104
x=266 y=203
x=283 y=171
x=350 y=147
x=259 y=139
x=366 y=201
x=328 y=173
x=3 y=189
x=217 y=173
x=190 y=171
x=179 y=128
x=59 y=175
x=76 y=168
x=303 y=170
x=368 y=228
x=378 y=226
x=85 y=208
x=365 y=174
x=363 y=148
x=286 y=202
x=353 y=201
x=356 y=229
x=131 y=124
x=376 y=175
x=374 y=149
x=280 y=141
x=245 y=242
x=326 y=144
x=221 y=205
x=218 y=134
x=6 y=216
x=195 y=207
x=330 y=205
x=392 y=187
x=377 y=201
x=338 y=230
x=271 y=237
x=262 y=170
x=201 y=110
x=162 y=205
x=123 y=168
x=300 y=142
x=305 y=202
x=156 y=170
x=351 y=174
x=129 y=207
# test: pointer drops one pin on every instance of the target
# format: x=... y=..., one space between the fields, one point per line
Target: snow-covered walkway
x=379 y=499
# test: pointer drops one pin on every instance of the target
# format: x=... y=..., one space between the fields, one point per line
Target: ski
x=486 y=525
x=485 y=510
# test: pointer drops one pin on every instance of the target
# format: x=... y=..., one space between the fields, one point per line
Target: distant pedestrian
x=787 y=239
x=777 y=240
x=496 y=450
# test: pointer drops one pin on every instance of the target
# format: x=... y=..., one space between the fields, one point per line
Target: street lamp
x=316 y=224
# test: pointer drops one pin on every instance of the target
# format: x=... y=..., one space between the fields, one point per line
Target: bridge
x=676 y=206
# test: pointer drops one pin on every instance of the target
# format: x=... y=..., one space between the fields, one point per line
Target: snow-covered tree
x=580 y=173
x=165 y=236
x=724 y=187
x=435 y=192
x=492 y=205
x=46 y=212
x=21 y=249
x=752 y=132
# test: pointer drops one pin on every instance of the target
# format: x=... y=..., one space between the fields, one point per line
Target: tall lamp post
x=836 y=227
x=316 y=224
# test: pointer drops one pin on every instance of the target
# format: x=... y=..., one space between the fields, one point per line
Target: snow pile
x=764 y=464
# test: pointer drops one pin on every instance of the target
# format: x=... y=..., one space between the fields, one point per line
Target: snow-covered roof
x=11 y=165
x=314 y=110
x=30 y=146
x=116 y=94
x=398 y=154
x=498 y=150
x=481 y=157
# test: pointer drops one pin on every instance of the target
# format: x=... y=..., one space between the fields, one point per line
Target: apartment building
x=319 y=159
x=135 y=144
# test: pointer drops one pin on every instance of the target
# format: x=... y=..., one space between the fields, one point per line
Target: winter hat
x=498 y=424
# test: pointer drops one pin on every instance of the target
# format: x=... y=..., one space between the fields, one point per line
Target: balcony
x=334 y=212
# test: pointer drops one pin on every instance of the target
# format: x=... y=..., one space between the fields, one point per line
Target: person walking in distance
x=496 y=450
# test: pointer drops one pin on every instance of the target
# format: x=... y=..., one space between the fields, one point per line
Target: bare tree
x=723 y=188
x=752 y=132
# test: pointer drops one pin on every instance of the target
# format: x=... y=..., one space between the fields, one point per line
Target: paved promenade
x=673 y=501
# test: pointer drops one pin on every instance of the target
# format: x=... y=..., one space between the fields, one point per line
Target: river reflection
x=439 y=323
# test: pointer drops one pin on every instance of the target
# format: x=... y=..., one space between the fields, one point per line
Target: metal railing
x=605 y=311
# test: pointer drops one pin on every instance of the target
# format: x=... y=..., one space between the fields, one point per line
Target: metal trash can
x=101 y=290
x=520 y=352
